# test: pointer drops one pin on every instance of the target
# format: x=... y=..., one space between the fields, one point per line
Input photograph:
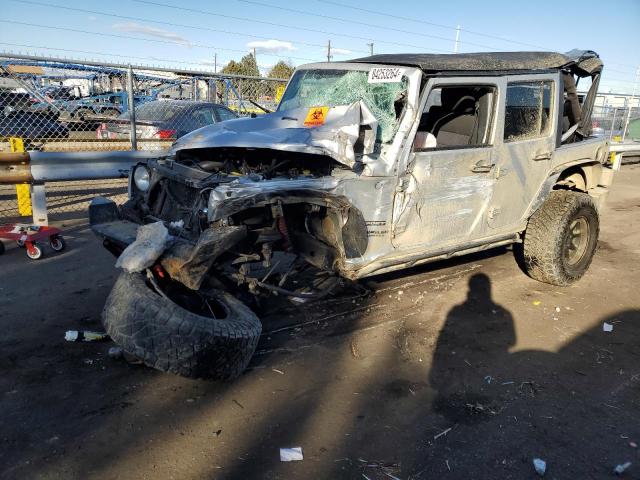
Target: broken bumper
x=107 y=223
x=184 y=261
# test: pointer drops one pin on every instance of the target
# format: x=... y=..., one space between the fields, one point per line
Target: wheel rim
x=56 y=244
x=576 y=240
x=34 y=252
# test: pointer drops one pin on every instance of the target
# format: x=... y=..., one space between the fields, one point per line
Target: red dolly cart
x=28 y=236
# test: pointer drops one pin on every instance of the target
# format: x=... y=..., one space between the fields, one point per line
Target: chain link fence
x=63 y=105
x=60 y=105
x=65 y=200
x=610 y=122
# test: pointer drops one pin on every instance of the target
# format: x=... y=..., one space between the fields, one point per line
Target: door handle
x=480 y=167
x=542 y=156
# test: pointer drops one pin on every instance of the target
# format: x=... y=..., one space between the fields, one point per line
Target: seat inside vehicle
x=458 y=116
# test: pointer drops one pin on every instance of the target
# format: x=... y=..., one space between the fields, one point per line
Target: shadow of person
x=474 y=340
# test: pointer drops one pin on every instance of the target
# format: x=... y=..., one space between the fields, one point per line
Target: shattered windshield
x=330 y=88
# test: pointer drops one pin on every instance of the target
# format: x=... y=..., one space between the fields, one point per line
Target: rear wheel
x=57 y=242
x=561 y=238
x=171 y=330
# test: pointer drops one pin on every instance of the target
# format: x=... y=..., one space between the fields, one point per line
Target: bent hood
x=332 y=131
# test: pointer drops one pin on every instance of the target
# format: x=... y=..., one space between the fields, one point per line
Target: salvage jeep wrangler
x=366 y=167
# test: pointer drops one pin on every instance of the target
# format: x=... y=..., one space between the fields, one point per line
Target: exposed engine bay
x=255 y=221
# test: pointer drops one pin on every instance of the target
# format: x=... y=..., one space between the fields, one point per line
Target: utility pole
x=631 y=101
x=370 y=45
x=329 y=56
x=215 y=63
x=254 y=56
x=455 y=45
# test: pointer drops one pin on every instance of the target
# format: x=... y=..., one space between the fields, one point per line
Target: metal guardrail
x=38 y=168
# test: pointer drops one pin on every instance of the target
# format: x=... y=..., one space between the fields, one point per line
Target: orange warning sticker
x=316 y=116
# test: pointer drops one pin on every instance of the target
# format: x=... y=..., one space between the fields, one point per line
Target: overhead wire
x=162 y=22
x=153 y=40
x=280 y=25
x=356 y=22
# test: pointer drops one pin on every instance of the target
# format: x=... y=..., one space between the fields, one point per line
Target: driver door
x=443 y=197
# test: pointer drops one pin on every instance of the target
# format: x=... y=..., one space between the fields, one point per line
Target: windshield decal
x=316 y=116
x=385 y=75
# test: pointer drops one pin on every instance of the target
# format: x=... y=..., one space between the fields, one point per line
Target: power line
x=154 y=40
x=424 y=22
x=273 y=24
x=160 y=22
x=355 y=22
x=453 y=27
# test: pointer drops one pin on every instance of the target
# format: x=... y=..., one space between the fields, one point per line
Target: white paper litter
x=151 y=241
x=607 y=327
x=291 y=454
x=620 y=469
x=540 y=466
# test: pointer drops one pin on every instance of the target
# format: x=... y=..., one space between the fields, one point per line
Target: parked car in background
x=167 y=119
x=31 y=127
x=14 y=101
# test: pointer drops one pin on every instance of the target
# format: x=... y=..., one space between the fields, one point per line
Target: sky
x=189 y=34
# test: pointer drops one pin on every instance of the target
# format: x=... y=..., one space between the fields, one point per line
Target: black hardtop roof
x=581 y=62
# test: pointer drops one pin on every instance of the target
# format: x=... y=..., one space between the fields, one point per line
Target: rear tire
x=561 y=238
x=57 y=243
x=170 y=338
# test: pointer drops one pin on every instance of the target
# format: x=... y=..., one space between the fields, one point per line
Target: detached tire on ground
x=561 y=238
x=172 y=339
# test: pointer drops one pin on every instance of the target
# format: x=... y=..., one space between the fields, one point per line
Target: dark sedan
x=166 y=119
x=32 y=126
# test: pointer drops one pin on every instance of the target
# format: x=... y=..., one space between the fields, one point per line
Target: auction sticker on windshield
x=385 y=75
x=316 y=116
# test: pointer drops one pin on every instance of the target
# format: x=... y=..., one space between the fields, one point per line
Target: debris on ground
x=442 y=433
x=151 y=241
x=620 y=469
x=84 y=336
x=115 y=352
x=291 y=454
x=607 y=327
x=540 y=466
x=633 y=444
x=380 y=470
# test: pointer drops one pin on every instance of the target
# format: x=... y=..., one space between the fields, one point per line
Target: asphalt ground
x=466 y=369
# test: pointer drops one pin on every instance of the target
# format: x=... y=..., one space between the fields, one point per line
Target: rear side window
x=528 y=110
x=203 y=117
x=224 y=114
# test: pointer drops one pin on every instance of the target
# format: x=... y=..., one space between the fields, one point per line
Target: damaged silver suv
x=367 y=166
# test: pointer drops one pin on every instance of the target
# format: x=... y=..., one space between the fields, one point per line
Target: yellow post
x=22 y=191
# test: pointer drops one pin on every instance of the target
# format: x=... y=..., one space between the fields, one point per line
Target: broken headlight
x=141 y=178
